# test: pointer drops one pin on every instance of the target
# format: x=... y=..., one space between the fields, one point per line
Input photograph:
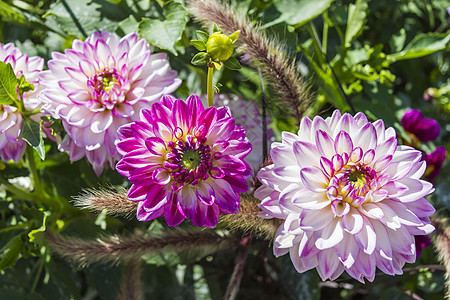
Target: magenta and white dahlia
x=184 y=161
x=350 y=197
x=12 y=148
x=99 y=85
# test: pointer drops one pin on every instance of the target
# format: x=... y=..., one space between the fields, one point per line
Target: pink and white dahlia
x=184 y=161
x=350 y=198
x=99 y=85
x=11 y=147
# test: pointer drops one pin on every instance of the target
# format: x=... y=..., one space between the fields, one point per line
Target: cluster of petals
x=351 y=199
x=99 y=85
x=184 y=161
x=434 y=160
x=247 y=115
x=12 y=148
x=424 y=129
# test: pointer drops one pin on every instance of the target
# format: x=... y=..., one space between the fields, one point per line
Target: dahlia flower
x=434 y=160
x=246 y=114
x=350 y=198
x=425 y=129
x=10 y=117
x=422 y=241
x=99 y=85
x=184 y=161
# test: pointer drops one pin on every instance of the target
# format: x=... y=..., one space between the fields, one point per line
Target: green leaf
x=12 y=252
x=9 y=14
x=422 y=45
x=203 y=36
x=200 y=59
x=8 y=84
x=304 y=286
x=79 y=17
x=199 y=45
x=234 y=36
x=165 y=34
x=24 y=85
x=32 y=134
x=216 y=28
x=232 y=63
x=299 y=12
x=357 y=14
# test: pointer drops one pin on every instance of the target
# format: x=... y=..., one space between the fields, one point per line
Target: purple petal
x=325 y=144
x=155 y=145
x=343 y=143
x=187 y=201
x=205 y=194
x=307 y=154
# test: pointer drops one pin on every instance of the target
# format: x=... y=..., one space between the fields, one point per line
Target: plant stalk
x=210 y=85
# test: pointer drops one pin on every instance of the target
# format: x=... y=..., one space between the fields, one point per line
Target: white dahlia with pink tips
x=351 y=199
x=99 y=85
x=11 y=146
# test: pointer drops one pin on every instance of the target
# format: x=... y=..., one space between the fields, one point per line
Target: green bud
x=219 y=47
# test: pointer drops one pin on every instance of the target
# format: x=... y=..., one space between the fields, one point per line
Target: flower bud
x=430 y=94
x=219 y=46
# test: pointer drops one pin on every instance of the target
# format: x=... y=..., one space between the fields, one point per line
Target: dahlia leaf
x=80 y=18
x=289 y=11
x=356 y=19
x=32 y=134
x=8 y=84
x=422 y=45
x=232 y=63
x=12 y=252
x=203 y=36
x=200 y=59
x=165 y=34
x=9 y=14
x=199 y=45
x=299 y=286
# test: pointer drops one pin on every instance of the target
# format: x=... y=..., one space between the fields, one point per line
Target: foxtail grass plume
x=11 y=146
x=350 y=198
x=99 y=85
x=268 y=53
x=184 y=161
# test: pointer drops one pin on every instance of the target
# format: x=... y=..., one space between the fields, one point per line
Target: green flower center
x=191 y=159
x=358 y=177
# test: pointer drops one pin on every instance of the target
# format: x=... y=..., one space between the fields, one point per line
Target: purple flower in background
x=422 y=241
x=425 y=129
x=99 y=85
x=247 y=115
x=12 y=148
x=184 y=161
x=434 y=160
x=351 y=199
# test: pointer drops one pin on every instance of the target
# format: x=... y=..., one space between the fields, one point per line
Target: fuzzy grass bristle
x=113 y=200
x=125 y=248
x=268 y=53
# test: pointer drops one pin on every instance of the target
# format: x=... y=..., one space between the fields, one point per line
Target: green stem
x=18 y=191
x=34 y=173
x=210 y=85
x=325 y=38
x=39 y=272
